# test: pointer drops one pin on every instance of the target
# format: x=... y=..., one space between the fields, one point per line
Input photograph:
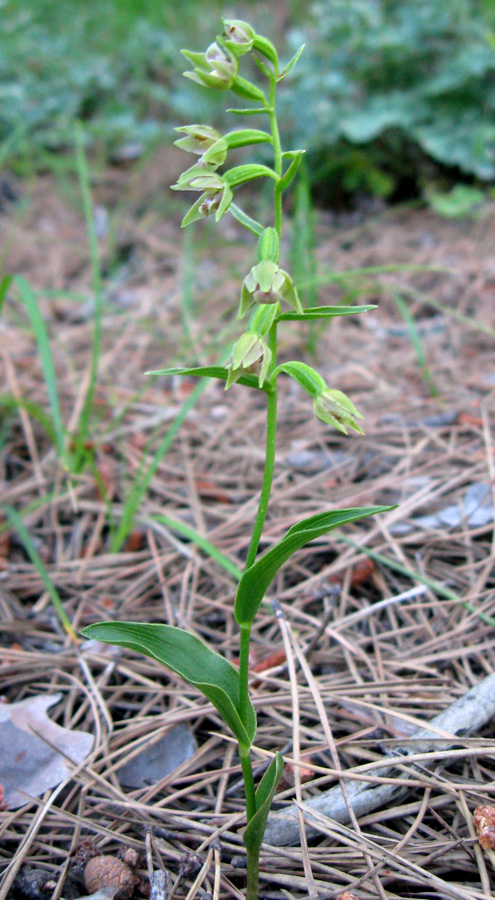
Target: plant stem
x=253 y=874
x=271 y=433
x=247 y=774
x=277 y=155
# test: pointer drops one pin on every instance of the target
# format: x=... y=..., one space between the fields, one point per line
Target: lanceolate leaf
x=324 y=312
x=245 y=136
x=253 y=835
x=247 y=112
x=255 y=580
x=290 y=65
x=190 y=658
x=290 y=174
x=241 y=174
x=211 y=372
x=242 y=217
x=247 y=90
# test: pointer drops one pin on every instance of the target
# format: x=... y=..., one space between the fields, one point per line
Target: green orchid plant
x=269 y=295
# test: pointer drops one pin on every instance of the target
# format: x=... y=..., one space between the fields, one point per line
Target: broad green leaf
x=210 y=372
x=324 y=312
x=253 y=835
x=240 y=174
x=256 y=580
x=290 y=65
x=461 y=201
x=245 y=136
x=188 y=657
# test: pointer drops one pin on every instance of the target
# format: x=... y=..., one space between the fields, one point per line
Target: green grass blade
x=81 y=435
x=4 y=288
x=201 y=542
x=8 y=401
x=28 y=297
x=416 y=342
x=145 y=476
x=17 y=523
x=435 y=586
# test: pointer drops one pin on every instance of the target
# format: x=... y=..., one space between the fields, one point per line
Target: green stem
x=253 y=874
x=247 y=774
x=271 y=434
x=277 y=156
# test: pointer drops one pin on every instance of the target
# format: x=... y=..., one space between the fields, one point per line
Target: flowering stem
x=277 y=154
x=271 y=434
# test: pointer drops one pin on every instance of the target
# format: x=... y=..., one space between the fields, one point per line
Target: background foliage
x=390 y=93
x=386 y=84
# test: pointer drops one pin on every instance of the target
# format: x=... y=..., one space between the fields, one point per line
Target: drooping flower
x=238 y=36
x=199 y=138
x=216 y=197
x=217 y=68
x=267 y=283
x=206 y=143
x=335 y=408
x=250 y=353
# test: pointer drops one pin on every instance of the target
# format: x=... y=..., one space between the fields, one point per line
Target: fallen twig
x=465 y=716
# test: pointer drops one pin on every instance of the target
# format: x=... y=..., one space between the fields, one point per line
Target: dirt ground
x=384 y=630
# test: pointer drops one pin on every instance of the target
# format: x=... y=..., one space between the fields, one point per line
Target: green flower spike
x=217 y=68
x=267 y=283
x=248 y=352
x=335 y=408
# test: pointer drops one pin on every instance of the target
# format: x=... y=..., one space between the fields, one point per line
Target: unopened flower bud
x=335 y=408
x=248 y=353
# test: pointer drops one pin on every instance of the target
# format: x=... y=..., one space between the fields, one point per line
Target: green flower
x=238 y=36
x=216 y=197
x=199 y=138
x=335 y=408
x=249 y=352
x=267 y=283
x=217 y=68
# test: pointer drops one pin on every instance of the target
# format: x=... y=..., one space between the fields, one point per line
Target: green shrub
x=109 y=63
x=402 y=80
